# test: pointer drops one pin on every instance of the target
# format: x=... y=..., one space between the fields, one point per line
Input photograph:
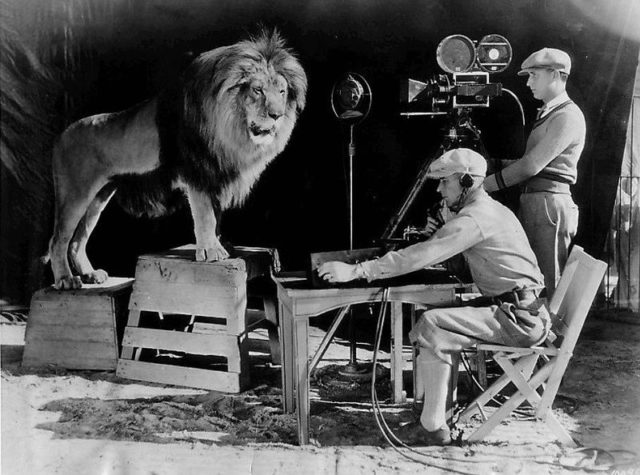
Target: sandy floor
x=63 y=422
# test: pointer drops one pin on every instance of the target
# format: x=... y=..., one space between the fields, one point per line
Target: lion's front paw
x=211 y=254
x=95 y=277
x=68 y=282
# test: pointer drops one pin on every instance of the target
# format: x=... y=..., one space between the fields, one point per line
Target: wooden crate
x=77 y=329
x=209 y=344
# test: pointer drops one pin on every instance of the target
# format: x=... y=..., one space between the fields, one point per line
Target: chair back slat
x=562 y=287
x=576 y=290
x=569 y=307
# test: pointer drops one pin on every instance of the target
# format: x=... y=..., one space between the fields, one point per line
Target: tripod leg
x=395 y=221
x=462 y=133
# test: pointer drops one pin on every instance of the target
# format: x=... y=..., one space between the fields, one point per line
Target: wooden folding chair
x=568 y=308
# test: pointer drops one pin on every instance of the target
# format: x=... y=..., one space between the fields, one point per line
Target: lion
x=210 y=139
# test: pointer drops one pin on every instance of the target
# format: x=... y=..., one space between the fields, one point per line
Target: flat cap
x=547 y=58
x=458 y=160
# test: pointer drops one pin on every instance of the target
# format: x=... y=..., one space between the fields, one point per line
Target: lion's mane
x=204 y=139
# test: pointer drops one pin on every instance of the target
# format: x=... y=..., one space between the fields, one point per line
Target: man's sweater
x=553 y=150
x=556 y=143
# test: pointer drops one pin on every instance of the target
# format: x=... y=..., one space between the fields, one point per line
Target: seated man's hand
x=432 y=226
x=336 y=271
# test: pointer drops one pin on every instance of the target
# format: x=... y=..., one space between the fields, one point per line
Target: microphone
x=351 y=98
x=350 y=94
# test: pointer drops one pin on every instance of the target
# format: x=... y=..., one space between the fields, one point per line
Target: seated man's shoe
x=414 y=434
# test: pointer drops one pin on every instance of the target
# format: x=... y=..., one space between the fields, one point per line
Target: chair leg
x=452 y=393
x=529 y=366
x=518 y=378
x=481 y=366
x=418 y=384
x=398 y=395
x=559 y=431
x=478 y=403
x=513 y=402
x=496 y=418
x=521 y=381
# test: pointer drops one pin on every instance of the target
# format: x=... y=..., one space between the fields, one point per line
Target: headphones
x=466 y=181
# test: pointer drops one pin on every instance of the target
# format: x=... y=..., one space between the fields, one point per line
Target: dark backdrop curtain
x=105 y=55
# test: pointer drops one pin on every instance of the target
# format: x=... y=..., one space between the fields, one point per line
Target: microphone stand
x=353 y=368
x=351 y=113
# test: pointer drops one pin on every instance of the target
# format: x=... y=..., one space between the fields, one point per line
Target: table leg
x=301 y=335
x=418 y=384
x=452 y=393
x=288 y=358
x=396 y=352
x=271 y=314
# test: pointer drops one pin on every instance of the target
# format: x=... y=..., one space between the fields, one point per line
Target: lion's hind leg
x=78 y=246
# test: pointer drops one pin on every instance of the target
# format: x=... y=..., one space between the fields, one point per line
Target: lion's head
x=245 y=98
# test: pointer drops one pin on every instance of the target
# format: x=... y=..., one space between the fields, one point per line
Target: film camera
x=454 y=95
x=467 y=84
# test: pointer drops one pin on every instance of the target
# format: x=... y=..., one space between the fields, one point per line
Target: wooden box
x=77 y=329
x=188 y=320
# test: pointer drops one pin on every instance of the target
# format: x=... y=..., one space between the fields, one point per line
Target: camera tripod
x=460 y=133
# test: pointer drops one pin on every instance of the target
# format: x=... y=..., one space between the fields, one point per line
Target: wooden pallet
x=208 y=346
x=77 y=329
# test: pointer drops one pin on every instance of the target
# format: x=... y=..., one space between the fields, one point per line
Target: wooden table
x=298 y=301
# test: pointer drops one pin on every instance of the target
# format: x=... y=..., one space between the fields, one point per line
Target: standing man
x=549 y=165
x=502 y=265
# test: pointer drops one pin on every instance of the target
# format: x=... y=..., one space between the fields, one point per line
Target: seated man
x=502 y=265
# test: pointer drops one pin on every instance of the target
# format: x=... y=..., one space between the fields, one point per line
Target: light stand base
x=359 y=371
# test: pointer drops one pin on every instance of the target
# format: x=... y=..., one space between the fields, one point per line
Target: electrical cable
x=467 y=367
x=521 y=111
x=377 y=412
x=380 y=420
x=519 y=104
